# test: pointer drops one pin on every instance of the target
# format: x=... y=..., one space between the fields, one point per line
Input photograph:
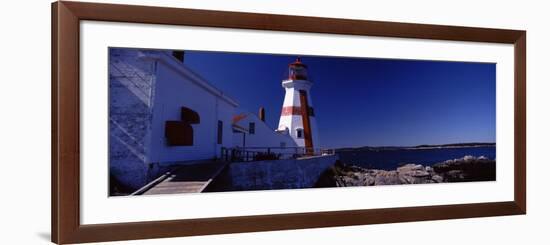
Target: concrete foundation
x=273 y=174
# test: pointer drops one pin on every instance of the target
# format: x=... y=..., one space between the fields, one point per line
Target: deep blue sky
x=360 y=102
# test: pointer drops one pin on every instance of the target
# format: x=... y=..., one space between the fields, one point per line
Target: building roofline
x=182 y=69
x=239 y=128
x=247 y=113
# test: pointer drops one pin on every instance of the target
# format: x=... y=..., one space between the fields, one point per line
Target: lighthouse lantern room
x=297 y=115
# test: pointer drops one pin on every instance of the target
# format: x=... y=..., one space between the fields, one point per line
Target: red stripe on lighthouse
x=291 y=110
x=294 y=110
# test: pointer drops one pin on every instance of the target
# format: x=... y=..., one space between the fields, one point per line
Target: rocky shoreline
x=465 y=169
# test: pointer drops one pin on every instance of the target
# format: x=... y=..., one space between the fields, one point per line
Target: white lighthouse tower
x=298 y=115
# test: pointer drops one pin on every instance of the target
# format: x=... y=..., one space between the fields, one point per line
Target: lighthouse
x=298 y=114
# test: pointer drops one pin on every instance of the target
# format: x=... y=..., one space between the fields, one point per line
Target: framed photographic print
x=176 y=122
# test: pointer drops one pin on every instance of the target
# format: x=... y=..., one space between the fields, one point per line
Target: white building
x=161 y=113
x=298 y=115
x=251 y=133
x=176 y=88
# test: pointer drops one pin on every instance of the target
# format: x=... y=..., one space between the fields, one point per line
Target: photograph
x=192 y=121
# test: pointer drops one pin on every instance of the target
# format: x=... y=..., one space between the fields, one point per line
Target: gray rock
x=387 y=178
x=410 y=167
x=468 y=168
x=437 y=178
x=455 y=174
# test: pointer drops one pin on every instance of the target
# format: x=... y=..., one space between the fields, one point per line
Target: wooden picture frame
x=66 y=225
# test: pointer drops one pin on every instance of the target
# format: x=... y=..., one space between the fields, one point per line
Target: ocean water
x=391 y=159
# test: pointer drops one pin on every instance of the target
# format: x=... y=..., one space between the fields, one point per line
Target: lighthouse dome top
x=297 y=63
x=297 y=70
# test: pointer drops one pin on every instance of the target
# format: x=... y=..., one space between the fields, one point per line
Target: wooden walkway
x=186 y=179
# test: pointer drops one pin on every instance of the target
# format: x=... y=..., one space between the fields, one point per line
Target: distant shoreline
x=418 y=147
x=447 y=147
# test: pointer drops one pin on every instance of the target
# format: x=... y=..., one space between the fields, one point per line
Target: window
x=251 y=128
x=220 y=132
x=299 y=133
x=180 y=133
